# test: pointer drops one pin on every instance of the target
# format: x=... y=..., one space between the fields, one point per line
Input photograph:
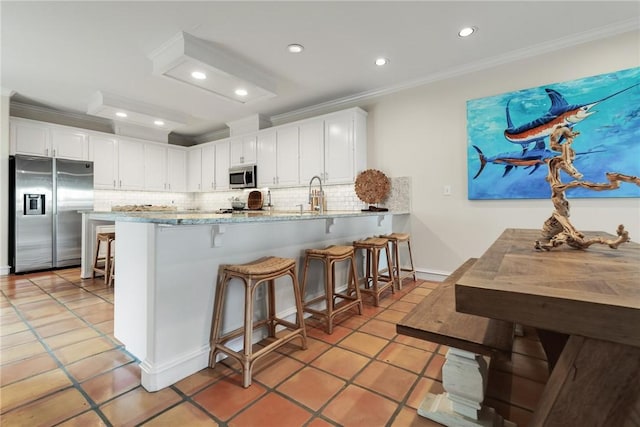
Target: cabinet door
x=155 y=167
x=266 y=159
x=103 y=151
x=176 y=169
x=243 y=150
x=30 y=138
x=249 y=149
x=69 y=144
x=130 y=165
x=311 y=150
x=194 y=170
x=338 y=149
x=222 y=165
x=287 y=160
x=209 y=167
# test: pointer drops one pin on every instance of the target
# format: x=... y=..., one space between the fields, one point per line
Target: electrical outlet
x=446 y=190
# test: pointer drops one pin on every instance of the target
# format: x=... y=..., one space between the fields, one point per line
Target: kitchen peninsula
x=167 y=266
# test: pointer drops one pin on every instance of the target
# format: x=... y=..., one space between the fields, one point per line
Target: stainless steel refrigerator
x=45 y=196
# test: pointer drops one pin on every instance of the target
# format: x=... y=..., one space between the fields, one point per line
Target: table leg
x=464 y=378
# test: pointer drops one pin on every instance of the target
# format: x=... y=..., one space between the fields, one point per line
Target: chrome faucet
x=319 y=196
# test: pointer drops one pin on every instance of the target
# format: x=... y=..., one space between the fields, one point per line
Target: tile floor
x=61 y=365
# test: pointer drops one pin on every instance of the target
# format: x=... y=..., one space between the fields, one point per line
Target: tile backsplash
x=339 y=197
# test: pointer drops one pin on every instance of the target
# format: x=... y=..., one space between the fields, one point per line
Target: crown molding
x=632 y=24
x=20 y=109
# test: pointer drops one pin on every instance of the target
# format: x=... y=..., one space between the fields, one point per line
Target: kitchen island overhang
x=167 y=267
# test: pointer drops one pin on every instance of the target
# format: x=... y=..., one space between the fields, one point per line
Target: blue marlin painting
x=610 y=135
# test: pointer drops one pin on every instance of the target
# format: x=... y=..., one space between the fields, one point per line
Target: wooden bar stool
x=399 y=271
x=375 y=281
x=335 y=302
x=103 y=264
x=253 y=275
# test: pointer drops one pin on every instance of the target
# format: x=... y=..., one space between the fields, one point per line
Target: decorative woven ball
x=372 y=186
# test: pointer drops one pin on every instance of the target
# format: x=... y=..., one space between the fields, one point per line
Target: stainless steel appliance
x=243 y=176
x=45 y=195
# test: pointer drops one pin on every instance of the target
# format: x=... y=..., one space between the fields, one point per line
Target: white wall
x=5 y=96
x=421 y=132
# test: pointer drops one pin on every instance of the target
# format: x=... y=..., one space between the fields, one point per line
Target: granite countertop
x=201 y=217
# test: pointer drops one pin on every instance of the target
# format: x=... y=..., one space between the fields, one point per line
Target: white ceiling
x=59 y=54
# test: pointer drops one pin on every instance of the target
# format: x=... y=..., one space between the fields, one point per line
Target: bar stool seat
x=252 y=275
x=335 y=302
x=401 y=272
x=103 y=264
x=375 y=282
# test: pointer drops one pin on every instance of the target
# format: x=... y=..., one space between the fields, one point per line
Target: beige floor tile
x=388 y=380
x=355 y=406
x=185 y=414
x=25 y=368
x=138 y=405
x=112 y=383
x=98 y=364
x=87 y=419
x=48 y=411
x=32 y=388
x=365 y=344
x=21 y=352
x=71 y=337
x=272 y=410
x=325 y=386
x=342 y=363
x=406 y=357
x=74 y=352
x=236 y=397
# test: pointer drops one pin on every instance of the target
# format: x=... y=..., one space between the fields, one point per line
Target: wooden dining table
x=585 y=305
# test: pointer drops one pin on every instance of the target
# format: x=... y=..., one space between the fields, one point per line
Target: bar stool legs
x=400 y=272
x=335 y=302
x=375 y=283
x=252 y=276
x=105 y=270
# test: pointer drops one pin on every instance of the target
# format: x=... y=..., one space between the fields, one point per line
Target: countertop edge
x=203 y=218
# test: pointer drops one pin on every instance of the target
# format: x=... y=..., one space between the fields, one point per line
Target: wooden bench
x=472 y=341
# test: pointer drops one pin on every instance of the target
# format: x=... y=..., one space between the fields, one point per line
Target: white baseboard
x=158 y=376
x=5 y=270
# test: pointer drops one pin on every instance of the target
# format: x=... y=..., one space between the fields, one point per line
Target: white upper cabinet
x=103 y=152
x=287 y=156
x=311 y=150
x=208 y=167
x=176 y=169
x=155 y=167
x=69 y=144
x=130 y=165
x=243 y=150
x=222 y=165
x=266 y=159
x=194 y=169
x=48 y=140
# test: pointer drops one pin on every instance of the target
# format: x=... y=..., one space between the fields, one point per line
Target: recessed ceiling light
x=241 y=92
x=158 y=122
x=295 y=48
x=121 y=114
x=382 y=61
x=198 y=75
x=467 y=31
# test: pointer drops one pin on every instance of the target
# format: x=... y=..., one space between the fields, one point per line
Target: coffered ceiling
x=61 y=54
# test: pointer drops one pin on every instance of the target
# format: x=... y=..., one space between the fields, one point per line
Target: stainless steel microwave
x=243 y=176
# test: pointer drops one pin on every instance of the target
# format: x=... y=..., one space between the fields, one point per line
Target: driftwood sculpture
x=558 y=229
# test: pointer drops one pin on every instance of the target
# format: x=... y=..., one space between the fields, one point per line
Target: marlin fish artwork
x=531 y=158
x=561 y=113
